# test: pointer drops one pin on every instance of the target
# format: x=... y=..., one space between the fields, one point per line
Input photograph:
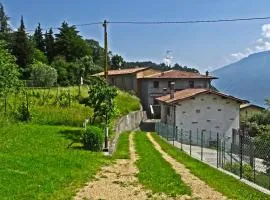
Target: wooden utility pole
x=105 y=50
x=106 y=76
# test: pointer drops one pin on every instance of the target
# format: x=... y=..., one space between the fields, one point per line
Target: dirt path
x=200 y=190
x=118 y=182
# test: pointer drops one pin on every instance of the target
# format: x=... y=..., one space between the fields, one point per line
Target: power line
x=77 y=25
x=165 y=22
x=189 y=21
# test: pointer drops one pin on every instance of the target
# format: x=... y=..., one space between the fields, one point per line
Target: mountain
x=248 y=78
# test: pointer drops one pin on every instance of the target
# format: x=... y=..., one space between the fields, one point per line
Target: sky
x=204 y=46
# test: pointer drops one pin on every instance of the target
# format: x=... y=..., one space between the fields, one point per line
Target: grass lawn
x=122 y=147
x=221 y=182
x=156 y=173
x=36 y=163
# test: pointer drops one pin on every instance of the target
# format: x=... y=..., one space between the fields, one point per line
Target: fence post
x=176 y=131
x=181 y=139
x=202 y=145
x=231 y=156
x=197 y=136
x=173 y=134
x=190 y=142
x=217 y=147
x=241 y=154
x=167 y=132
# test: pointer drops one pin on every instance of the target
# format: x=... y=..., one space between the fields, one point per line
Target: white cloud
x=238 y=55
x=261 y=44
x=266 y=30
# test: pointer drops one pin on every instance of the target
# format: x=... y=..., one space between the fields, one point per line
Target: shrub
x=248 y=172
x=93 y=138
x=23 y=113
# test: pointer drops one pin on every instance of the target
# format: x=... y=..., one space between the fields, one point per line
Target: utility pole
x=106 y=76
x=105 y=50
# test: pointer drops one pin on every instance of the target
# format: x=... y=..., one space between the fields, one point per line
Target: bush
x=235 y=169
x=93 y=138
x=248 y=172
x=23 y=113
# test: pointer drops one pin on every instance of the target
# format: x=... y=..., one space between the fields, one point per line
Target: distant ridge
x=248 y=78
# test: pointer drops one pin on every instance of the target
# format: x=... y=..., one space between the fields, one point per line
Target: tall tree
x=38 y=39
x=117 y=62
x=23 y=50
x=4 y=26
x=70 y=44
x=49 y=45
x=9 y=71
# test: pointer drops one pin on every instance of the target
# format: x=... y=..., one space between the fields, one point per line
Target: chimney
x=172 y=90
x=206 y=73
x=164 y=91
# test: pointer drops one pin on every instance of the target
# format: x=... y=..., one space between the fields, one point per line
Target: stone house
x=158 y=84
x=128 y=79
x=201 y=109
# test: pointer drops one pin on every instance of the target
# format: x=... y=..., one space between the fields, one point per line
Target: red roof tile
x=179 y=74
x=123 y=71
x=192 y=92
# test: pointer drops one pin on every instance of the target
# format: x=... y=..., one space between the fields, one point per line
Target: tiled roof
x=192 y=92
x=123 y=71
x=179 y=74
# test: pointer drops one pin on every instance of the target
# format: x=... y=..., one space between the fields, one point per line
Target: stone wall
x=127 y=123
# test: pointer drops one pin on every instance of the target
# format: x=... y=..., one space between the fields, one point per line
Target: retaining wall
x=127 y=123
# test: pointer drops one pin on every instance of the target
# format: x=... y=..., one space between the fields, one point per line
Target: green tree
x=87 y=67
x=49 y=45
x=61 y=65
x=9 y=72
x=68 y=43
x=39 y=56
x=43 y=75
x=38 y=39
x=117 y=62
x=101 y=99
x=22 y=49
x=4 y=26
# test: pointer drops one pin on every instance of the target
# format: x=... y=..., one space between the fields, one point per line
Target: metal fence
x=243 y=156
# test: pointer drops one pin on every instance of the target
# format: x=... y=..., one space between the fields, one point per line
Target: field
x=36 y=162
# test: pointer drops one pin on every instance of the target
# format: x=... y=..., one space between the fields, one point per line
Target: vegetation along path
x=117 y=181
x=200 y=189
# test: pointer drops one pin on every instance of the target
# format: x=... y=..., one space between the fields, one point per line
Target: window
x=198 y=111
x=156 y=84
x=191 y=84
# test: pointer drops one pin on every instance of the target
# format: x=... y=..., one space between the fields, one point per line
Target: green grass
x=36 y=163
x=126 y=103
x=221 y=182
x=156 y=173
x=122 y=147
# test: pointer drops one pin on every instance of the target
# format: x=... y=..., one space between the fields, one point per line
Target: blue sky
x=204 y=46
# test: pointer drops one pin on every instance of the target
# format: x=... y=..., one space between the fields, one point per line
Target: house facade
x=201 y=110
x=158 y=84
x=127 y=79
